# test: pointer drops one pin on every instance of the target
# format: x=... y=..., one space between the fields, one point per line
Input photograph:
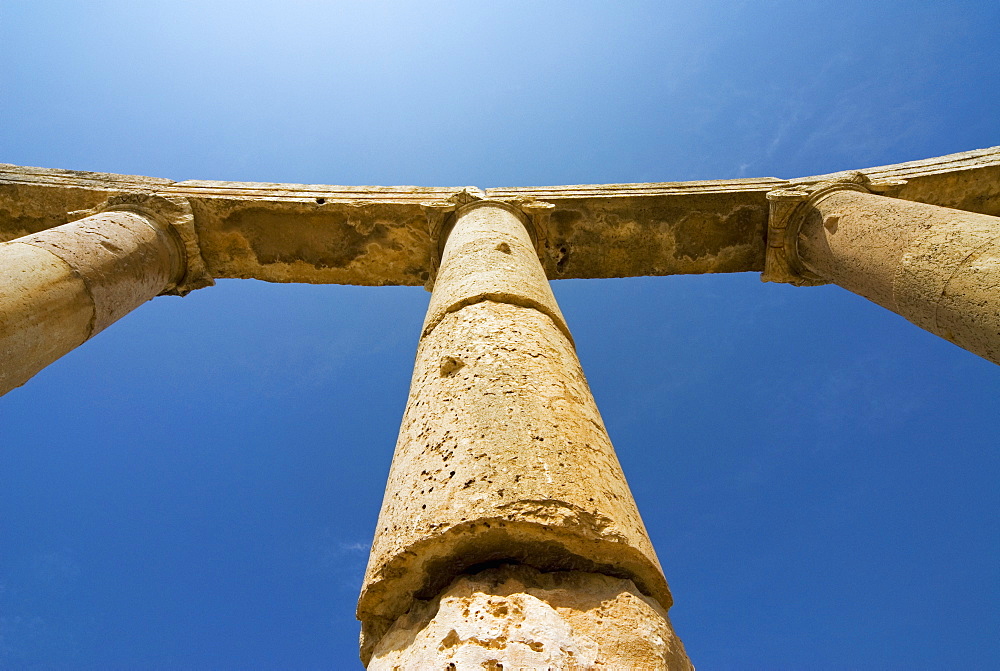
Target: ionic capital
x=789 y=206
x=174 y=215
x=442 y=215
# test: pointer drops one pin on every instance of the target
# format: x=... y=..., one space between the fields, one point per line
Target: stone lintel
x=371 y=235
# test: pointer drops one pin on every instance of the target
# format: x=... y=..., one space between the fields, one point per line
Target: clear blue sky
x=197 y=487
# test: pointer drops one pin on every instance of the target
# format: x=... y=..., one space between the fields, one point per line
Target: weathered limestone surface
x=502 y=455
x=379 y=235
x=45 y=311
x=63 y=285
x=938 y=267
x=386 y=235
x=516 y=617
x=491 y=257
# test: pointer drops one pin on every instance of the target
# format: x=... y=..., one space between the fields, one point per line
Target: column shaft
x=61 y=286
x=938 y=267
x=516 y=617
x=502 y=461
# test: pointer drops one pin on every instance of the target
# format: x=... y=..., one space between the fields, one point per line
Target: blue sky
x=197 y=486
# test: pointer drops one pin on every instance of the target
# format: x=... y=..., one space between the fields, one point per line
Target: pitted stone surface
x=515 y=617
x=481 y=257
x=502 y=455
x=372 y=235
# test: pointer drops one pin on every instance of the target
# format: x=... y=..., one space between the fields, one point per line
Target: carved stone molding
x=378 y=235
x=441 y=216
x=788 y=208
x=174 y=214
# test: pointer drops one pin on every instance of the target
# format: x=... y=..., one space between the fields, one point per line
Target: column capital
x=442 y=215
x=788 y=207
x=175 y=216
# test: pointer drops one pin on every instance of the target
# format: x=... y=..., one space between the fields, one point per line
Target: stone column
x=938 y=267
x=62 y=286
x=508 y=535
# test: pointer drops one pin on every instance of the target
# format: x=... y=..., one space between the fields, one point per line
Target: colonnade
x=508 y=535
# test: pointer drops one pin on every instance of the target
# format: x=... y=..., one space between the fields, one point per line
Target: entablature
x=373 y=235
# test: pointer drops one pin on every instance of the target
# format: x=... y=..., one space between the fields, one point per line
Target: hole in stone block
x=451 y=365
x=562 y=257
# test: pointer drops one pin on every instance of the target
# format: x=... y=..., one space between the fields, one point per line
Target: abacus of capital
x=508 y=537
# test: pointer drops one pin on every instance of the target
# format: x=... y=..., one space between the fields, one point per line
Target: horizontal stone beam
x=385 y=235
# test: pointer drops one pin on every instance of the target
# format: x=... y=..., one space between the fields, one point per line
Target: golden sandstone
x=499 y=433
x=508 y=537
